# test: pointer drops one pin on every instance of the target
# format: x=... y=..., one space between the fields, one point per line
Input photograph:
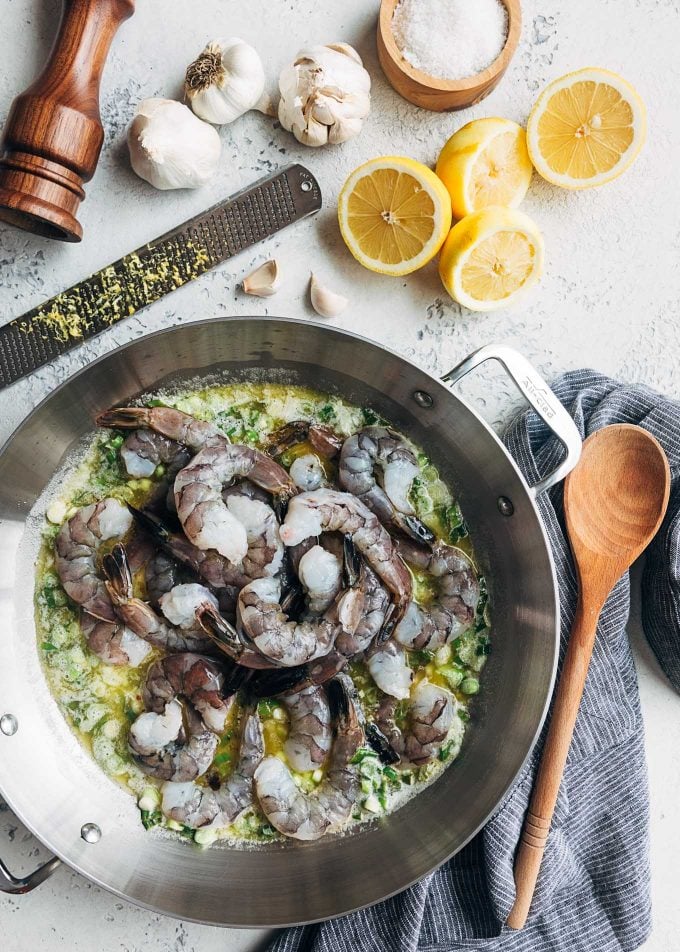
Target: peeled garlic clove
x=324 y=301
x=263 y=281
x=170 y=147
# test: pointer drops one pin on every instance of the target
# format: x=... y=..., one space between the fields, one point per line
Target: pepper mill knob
x=53 y=135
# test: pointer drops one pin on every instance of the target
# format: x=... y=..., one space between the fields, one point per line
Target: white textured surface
x=610 y=298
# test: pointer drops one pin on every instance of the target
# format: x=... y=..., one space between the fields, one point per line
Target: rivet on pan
x=505 y=506
x=91 y=833
x=9 y=724
x=423 y=399
x=305 y=186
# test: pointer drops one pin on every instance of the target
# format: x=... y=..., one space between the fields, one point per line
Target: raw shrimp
x=320 y=437
x=196 y=806
x=455 y=602
x=205 y=517
x=432 y=714
x=285 y=642
x=307 y=472
x=432 y=717
x=144 y=450
x=173 y=424
x=327 y=510
x=181 y=631
x=210 y=565
x=310 y=734
x=390 y=669
x=112 y=642
x=370 y=602
x=376 y=447
x=175 y=741
x=308 y=816
x=77 y=545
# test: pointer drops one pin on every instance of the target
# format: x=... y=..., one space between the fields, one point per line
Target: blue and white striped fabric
x=593 y=891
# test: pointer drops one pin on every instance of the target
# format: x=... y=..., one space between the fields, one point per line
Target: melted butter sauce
x=100 y=701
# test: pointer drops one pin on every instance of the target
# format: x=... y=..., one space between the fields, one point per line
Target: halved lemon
x=484 y=163
x=586 y=128
x=490 y=257
x=394 y=214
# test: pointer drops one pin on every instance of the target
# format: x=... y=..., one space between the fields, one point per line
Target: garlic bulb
x=225 y=81
x=325 y=95
x=170 y=147
x=325 y=302
x=263 y=281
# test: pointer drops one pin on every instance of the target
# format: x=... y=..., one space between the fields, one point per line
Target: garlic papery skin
x=263 y=281
x=225 y=81
x=324 y=301
x=325 y=95
x=170 y=147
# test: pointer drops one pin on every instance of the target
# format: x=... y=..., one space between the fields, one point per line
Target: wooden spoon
x=614 y=502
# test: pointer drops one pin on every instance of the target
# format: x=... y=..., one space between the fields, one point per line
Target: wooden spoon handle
x=553 y=760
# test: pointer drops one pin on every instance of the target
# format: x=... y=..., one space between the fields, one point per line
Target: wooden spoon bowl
x=430 y=92
x=613 y=509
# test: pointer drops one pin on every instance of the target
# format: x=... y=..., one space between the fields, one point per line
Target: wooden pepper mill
x=54 y=134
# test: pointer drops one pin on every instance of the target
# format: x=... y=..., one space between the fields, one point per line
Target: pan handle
x=10 y=884
x=538 y=394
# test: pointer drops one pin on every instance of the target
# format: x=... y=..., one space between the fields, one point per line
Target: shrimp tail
x=280 y=505
x=343 y=711
x=351 y=562
x=219 y=630
x=325 y=441
x=151 y=524
x=123 y=418
x=119 y=577
x=412 y=527
x=322 y=438
x=379 y=742
x=293 y=602
x=237 y=678
x=388 y=625
x=286 y=436
x=277 y=681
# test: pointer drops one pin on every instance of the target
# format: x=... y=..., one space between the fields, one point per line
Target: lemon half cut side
x=394 y=214
x=586 y=128
x=490 y=258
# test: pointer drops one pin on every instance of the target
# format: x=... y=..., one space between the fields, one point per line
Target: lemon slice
x=490 y=257
x=394 y=214
x=586 y=128
x=485 y=163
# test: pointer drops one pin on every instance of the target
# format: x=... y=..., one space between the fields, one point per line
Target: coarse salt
x=450 y=39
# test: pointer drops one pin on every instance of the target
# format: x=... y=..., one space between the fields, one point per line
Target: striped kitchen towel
x=593 y=891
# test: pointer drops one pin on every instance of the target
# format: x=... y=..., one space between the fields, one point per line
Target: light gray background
x=610 y=298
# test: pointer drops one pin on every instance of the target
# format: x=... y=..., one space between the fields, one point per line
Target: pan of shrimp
x=279 y=616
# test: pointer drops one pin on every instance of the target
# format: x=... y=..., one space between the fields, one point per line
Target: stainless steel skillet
x=93 y=825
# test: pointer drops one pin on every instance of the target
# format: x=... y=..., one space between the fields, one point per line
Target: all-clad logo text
x=540 y=396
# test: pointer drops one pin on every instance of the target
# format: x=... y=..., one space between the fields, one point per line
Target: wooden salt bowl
x=430 y=92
